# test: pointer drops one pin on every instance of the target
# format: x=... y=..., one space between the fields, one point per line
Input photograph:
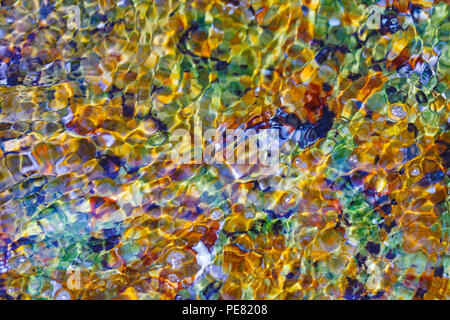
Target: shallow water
x=93 y=205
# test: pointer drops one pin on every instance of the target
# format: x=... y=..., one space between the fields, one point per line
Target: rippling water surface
x=93 y=206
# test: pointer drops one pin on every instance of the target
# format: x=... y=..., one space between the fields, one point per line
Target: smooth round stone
x=398 y=111
x=63 y=295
